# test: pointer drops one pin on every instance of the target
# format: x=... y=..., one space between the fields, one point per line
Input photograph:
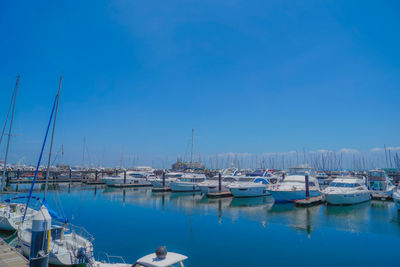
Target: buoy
x=161 y=252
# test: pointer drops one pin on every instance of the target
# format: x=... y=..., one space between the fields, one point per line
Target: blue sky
x=248 y=76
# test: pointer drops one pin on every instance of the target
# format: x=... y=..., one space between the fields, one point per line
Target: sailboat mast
x=9 y=134
x=52 y=138
x=191 y=152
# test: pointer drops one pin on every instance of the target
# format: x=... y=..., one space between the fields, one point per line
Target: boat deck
x=9 y=257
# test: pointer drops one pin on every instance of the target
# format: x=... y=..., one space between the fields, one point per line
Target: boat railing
x=110 y=257
x=79 y=230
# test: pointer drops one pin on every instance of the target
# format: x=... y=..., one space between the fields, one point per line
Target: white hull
x=281 y=196
x=128 y=182
x=7 y=225
x=347 y=198
x=158 y=183
x=58 y=255
x=184 y=187
x=249 y=191
x=396 y=199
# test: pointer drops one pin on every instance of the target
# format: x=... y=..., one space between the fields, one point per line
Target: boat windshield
x=336 y=184
x=377 y=173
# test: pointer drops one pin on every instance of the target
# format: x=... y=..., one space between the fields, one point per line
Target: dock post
x=18 y=173
x=307 y=186
x=283 y=176
x=124 y=177
x=163 y=179
x=219 y=183
x=70 y=173
x=96 y=173
x=41 y=225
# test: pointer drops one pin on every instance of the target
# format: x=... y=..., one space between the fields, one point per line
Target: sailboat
x=67 y=245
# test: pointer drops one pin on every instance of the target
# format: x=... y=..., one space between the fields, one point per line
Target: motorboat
x=128 y=179
x=396 y=197
x=293 y=186
x=379 y=183
x=157 y=182
x=188 y=182
x=212 y=184
x=347 y=191
x=249 y=187
x=161 y=258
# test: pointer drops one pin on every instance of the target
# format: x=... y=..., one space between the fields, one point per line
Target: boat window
x=311 y=183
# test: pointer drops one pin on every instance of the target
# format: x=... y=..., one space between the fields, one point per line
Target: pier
x=9 y=257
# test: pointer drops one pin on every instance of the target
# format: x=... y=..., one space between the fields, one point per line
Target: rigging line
x=52 y=139
x=8 y=113
x=40 y=159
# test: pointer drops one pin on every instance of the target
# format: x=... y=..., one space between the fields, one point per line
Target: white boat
x=11 y=215
x=132 y=179
x=347 y=191
x=293 y=187
x=161 y=258
x=188 y=182
x=379 y=183
x=253 y=187
x=169 y=177
x=396 y=197
x=212 y=185
x=67 y=247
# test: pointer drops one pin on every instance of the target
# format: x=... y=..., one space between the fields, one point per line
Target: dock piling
x=307 y=186
x=219 y=183
x=41 y=225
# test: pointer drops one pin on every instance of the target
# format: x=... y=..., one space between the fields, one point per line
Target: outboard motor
x=161 y=252
x=83 y=257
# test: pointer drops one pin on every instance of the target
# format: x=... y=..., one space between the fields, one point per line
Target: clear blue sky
x=249 y=76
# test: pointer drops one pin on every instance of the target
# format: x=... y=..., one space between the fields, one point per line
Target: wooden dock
x=9 y=257
x=309 y=201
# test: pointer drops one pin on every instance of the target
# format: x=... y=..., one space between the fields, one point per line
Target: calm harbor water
x=231 y=232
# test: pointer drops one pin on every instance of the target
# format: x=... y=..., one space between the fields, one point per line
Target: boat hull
x=396 y=199
x=184 y=187
x=6 y=224
x=249 y=191
x=347 y=199
x=129 y=182
x=290 y=196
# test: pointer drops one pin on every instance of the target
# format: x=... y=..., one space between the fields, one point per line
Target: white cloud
x=348 y=151
x=380 y=149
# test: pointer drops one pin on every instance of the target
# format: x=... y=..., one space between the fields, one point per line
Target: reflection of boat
x=252 y=202
x=188 y=182
x=347 y=191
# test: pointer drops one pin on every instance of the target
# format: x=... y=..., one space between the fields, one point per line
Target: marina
x=185 y=222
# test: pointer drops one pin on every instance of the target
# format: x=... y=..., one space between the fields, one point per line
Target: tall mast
x=191 y=152
x=52 y=138
x=9 y=134
x=83 y=152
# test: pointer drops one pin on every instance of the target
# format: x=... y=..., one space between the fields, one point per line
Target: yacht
x=157 y=182
x=188 y=182
x=347 y=191
x=379 y=183
x=212 y=184
x=396 y=198
x=131 y=179
x=249 y=187
x=11 y=215
x=293 y=186
x=68 y=246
